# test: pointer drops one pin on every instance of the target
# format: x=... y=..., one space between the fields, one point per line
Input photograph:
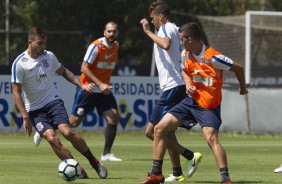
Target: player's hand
x=145 y=25
x=243 y=91
x=190 y=90
x=27 y=126
x=88 y=87
x=105 y=88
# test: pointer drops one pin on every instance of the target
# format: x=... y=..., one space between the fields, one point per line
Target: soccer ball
x=69 y=169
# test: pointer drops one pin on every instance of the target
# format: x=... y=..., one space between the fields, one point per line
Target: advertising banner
x=135 y=98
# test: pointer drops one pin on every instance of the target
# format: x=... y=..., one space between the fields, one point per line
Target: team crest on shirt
x=24 y=59
x=39 y=126
x=45 y=63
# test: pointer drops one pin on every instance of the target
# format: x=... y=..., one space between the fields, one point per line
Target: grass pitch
x=252 y=159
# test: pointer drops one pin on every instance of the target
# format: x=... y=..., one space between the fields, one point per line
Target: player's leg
x=60 y=150
x=107 y=106
x=210 y=121
x=211 y=136
x=57 y=114
x=167 y=125
x=80 y=145
x=112 y=119
x=174 y=155
x=192 y=158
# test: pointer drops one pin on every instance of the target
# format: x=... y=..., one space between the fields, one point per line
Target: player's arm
x=224 y=63
x=69 y=76
x=240 y=75
x=105 y=88
x=17 y=90
x=190 y=89
x=164 y=43
x=89 y=74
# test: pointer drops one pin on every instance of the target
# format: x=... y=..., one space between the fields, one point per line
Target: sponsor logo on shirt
x=107 y=56
x=106 y=65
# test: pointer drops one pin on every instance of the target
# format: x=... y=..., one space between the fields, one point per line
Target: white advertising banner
x=135 y=98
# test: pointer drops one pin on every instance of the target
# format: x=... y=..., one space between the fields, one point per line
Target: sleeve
x=17 y=73
x=221 y=62
x=55 y=62
x=165 y=31
x=91 y=53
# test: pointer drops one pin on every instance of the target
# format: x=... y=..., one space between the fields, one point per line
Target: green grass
x=252 y=159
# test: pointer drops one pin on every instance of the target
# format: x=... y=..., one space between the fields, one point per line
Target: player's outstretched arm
x=161 y=42
x=68 y=75
x=239 y=72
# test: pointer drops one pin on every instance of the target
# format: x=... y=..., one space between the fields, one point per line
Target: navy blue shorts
x=168 y=99
x=189 y=109
x=49 y=116
x=85 y=102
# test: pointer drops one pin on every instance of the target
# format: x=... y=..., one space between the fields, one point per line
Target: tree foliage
x=71 y=24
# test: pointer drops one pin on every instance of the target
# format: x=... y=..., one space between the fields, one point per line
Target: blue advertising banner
x=135 y=97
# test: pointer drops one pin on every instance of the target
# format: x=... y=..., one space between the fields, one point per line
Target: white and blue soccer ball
x=69 y=169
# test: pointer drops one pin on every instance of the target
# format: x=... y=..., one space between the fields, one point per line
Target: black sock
x=189 y=155
x=90 y=157
x=110 y=134
x=224 y=173
x=176 y=171
x=157 y=166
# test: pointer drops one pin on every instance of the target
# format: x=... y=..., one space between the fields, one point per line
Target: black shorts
x=188 y=110
x=85 y=102
x=49 y=116
x=168 y=99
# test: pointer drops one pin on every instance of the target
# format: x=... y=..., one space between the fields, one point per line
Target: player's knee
x=68 y=134
x=158 y=131
x=54 y=141
x=115 y=119
x=211 y=140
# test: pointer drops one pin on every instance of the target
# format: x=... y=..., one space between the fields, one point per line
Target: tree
x=71 y=25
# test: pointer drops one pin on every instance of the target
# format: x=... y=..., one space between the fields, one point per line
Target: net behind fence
x=228 y=34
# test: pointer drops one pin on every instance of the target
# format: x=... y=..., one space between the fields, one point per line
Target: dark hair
x=158 y=7
x=192 y=30
x=111 y=22
x=36 y=31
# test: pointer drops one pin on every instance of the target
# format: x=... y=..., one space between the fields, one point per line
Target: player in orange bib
x=97 y=67
x=202 y=74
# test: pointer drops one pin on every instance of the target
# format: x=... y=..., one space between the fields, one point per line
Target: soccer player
x=167 y=55
x=202 y=74
x=42 y=107
x=97 y=67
